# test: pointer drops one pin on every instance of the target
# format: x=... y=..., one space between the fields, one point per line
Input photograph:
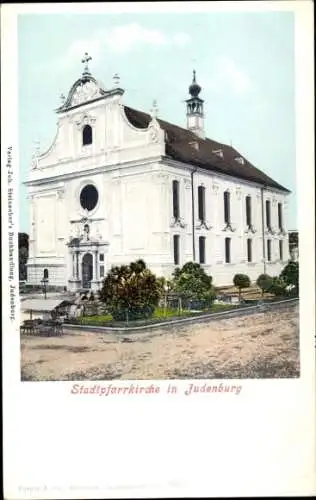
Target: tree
x=23 y=255
x=192 y=283
x=278 y=287
x=241 y=281
x=264 y=281
x=290 y=275
x=131 y=290
x=293 y=239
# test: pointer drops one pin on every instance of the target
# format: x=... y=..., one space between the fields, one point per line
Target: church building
x=118 y=184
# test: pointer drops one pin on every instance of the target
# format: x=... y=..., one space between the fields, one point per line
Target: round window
x=89 y=197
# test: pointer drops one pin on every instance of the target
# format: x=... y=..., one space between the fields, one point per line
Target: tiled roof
x=179 y=147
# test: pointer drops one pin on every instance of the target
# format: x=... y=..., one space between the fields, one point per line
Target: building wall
x=215 y=232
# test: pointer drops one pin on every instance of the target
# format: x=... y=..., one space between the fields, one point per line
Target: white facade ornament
x=154 y=110
x=153 y=131
x=154 y=126
x=178 y=222
x=85 y=92
x=98 y=234
x=34 y=161
x=35 y=155
x=85 y=120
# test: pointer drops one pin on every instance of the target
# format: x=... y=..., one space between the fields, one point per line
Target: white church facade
x=118 y=184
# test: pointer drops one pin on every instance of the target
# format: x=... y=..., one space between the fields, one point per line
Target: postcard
x=158 y=249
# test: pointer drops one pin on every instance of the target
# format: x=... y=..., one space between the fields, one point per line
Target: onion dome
x=194 y=88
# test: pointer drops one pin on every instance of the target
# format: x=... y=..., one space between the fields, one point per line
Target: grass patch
x=95 y=320
x=159 y=315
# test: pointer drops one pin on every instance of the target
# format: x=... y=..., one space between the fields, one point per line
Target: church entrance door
x=87 y=270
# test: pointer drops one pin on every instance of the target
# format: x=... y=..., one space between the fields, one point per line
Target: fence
x=139 y=326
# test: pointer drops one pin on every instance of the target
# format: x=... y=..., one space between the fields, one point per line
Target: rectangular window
x=281 y=249
x=249 y=250
x=202 y=249
x=280 y=216
x=175 y=193
x=269 y=250
x=227 y=250
x=227 y=207
x=248 y=211
x=268 y=213
x=101 y=257
x=201 y=201
x=101 y=271
x=176 y=244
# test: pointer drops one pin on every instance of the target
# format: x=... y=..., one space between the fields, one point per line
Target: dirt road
x=265 y=345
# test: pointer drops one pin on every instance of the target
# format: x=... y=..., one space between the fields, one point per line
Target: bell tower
x=195 y=112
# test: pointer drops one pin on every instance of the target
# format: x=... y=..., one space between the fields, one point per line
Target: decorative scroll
x=251 y=229
x=85 y=92
x=229 y=227
x=178 y=222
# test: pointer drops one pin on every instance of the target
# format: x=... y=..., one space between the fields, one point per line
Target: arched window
x=86 y=135
x=45 y=274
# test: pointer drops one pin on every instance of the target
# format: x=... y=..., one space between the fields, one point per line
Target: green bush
x=241 y=281
x=162 y=283
x=193 y=284
x=290 y=275
x=264 y=281
x=130 y=291
x=278 y=287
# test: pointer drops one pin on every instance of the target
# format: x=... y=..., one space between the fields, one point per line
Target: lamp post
x=166 y=289
x=44 y=281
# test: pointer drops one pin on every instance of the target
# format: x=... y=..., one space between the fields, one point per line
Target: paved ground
x=265 y=345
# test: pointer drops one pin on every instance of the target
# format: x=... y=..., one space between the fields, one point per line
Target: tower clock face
x=89 y=197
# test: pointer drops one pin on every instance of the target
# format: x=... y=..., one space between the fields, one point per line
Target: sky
x=243 y=61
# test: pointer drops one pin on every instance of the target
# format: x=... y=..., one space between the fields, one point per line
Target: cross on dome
x=85 y=60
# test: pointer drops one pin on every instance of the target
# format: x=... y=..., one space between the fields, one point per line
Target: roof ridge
x=179 y=148
x=189 y=132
